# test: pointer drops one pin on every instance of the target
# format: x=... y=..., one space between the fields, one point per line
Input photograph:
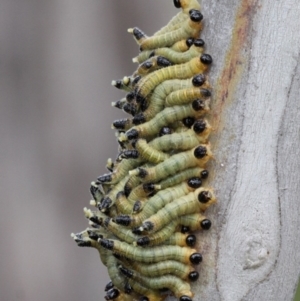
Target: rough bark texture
x=254 y=251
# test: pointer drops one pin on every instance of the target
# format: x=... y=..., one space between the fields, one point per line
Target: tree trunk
x=252 y=253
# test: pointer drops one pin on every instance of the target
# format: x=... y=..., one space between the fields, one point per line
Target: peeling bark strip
x=155 y=194
x=235 y=61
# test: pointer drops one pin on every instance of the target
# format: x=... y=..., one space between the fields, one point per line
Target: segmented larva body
x=154 y=195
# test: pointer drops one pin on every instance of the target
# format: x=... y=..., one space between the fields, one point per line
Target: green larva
x=152 y=152
x=154 y=254
x=157 y=98
x=195 y=221
x=176 y=21
x=142 y=191
x=176 y=163
x=182 y=71
x=186 y=96
x=168 y=116
x=122 y=233
x=114 y=273
x=196 y=201
x=121 y=169
x=180 y=57
x=190 y=28
x=159 y=237
x=150 y=294
x=111 y=196
x=123 y=205
x=152 y=64
x=173 y=283
x=181 y=177
x=163 y=268
x=183 y=45
x=155 y=203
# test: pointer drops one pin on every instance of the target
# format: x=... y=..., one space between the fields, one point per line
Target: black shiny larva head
x=130 y=154
x=195 y=15
x=204 y=196
x=138 y=34
x=118 y=84
x=118 y=256
x=195 y=258
x=132 y=134
x=120 y=124
x=148 y=226
x=149 y=187
x=185 y=229
x=139 y=119
x=200 y=152
x=165 y=131
x=152 y=54
x=139 y=98
x=94 y=236
x=188 y=121
x=105 y=204
x=107 y=244
x=127 y=190
x=137 y=206
x=177 y=3
x=198 y=80
x=143 y=105
x=198 y=105
x=147 y=65
x=128 y=288
x=206 y=59
x=128 y=273
x=118 y=104
x=136 y=80
x=189 y=42
x=144 y=298
x=137 y=231
x=143 y=241
x=105 y=178
x=205 y=224
x=93 y=190
x=123 y=220
x=109 y=286
x=199 y=126
x=185 y=298
x=191 y=240
x=199 y=43
x=163 y=62
x=193 y=276
x=142 y=173
x=130 y=108
x=120 y=194
x=112 y=294
x=106 y=222
x=205 y=93
x=204 y=174
x=130 y=96
x=133 y=143
x=194 y=182
x=96 y=220
x=83 y=243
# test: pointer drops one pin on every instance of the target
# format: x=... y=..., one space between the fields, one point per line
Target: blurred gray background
x=57 y=60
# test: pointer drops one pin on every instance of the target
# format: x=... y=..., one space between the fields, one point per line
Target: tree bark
x=252 y=252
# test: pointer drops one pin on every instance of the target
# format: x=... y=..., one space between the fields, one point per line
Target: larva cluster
x=153 y=197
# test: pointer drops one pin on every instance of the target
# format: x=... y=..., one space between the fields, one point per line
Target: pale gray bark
x=255 y=253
